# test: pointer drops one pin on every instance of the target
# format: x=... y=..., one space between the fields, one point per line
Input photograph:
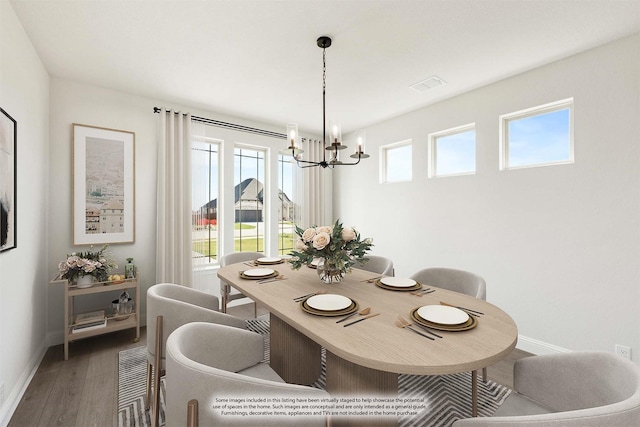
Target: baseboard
x=13 y=399
x=537 y=347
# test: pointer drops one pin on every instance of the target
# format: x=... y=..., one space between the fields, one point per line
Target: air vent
x=427 y=84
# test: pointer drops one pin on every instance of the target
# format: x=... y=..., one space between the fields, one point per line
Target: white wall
x=24 y=94
x=559 y=246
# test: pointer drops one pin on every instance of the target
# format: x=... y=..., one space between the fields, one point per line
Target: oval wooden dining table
x=366 y=358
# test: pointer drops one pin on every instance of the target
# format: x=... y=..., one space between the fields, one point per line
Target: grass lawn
x=209 y=247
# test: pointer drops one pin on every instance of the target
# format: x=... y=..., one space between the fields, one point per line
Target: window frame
x=265 y=196
x=383 y=160
x=219 y=143
x=505 y=119
x=433 y=151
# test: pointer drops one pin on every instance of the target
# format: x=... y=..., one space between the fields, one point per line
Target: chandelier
x=334 y=144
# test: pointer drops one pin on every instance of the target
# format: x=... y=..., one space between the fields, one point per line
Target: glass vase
x=329 y=273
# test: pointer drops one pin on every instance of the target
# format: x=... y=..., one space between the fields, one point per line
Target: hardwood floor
x=82 y=391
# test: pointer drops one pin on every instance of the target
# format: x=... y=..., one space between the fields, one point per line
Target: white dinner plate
x=270 y=259
x=258 y=272
x=398 y=282
x=443 y=314
x=329 y=302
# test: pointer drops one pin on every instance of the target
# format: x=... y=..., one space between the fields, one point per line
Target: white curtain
x=173 y=232
x=313 y=188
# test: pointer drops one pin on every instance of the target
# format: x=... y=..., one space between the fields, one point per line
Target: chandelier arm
x=350 y=164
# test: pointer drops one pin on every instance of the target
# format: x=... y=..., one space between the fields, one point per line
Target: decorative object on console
x=103 y=185
x=8 y=155
x=339 y=248
x=129 y=269
x=335 y=139
x=89 y=264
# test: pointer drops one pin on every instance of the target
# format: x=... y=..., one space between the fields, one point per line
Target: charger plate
x=257 y=274
x=348 y=310
x=382 y=285
x=269 y=261
x=469 y=324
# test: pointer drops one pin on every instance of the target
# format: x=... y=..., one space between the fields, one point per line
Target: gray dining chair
x=576 y=389
x=377 y=264
x=170 y=306
x=227 y=293
x=205 y=360
x=460 y=281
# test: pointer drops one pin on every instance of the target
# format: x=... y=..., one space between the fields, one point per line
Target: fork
x=402 y=325
x=424 y=328
x=300 y=298
x=421 y=292
x=273 y=279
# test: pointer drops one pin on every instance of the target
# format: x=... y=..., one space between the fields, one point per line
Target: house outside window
x=249 y=208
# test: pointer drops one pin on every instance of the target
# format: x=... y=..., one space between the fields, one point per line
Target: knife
x=347 y=317
x=360 y=320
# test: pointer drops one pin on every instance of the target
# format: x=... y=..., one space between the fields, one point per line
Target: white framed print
x=103 y=185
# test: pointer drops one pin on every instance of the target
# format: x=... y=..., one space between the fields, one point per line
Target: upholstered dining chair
x=168 y=307
x=206 y=360
x=577 y=389
x=228 y=293
x=377 y=264
x=460 y=281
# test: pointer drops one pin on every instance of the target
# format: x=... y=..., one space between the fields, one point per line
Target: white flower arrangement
x=87 y=263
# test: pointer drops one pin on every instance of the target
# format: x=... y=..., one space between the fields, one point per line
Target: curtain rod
x=227 y=125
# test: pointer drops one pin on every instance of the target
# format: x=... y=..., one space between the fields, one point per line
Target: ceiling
x=259 y=59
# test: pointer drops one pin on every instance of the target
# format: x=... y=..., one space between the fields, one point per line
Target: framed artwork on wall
x=103 y=185
x=8 y=147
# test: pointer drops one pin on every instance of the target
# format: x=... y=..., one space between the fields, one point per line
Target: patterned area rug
x=449 y=396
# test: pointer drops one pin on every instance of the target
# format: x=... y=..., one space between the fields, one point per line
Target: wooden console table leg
x=348 y=379
x=295 y=357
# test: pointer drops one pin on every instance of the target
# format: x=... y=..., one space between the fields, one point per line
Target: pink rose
x=348 y=234
x=325 y=229
x=321 y=240
x=300 y=245
x=308 y=234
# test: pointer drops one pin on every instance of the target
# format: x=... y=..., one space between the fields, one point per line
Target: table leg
x=348 y=379
x=224 y=296
x=474 y=393
x=295 y=357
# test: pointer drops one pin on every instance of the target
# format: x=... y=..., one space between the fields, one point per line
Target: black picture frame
x=8 y=178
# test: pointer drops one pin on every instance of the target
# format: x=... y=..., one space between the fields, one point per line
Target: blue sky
x=539 y=139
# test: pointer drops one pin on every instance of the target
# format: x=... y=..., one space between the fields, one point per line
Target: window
x=249 y=178
x=205 y=160
x=538 y=136
x=396 y=162
x=287 y=210
x=453 y=151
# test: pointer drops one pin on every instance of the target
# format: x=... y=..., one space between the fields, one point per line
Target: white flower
x=72 y=261
x=63 y=267
x=321 y=240
x=348 y=234
x=325 y=229
x=300 y=245
x=308 y=234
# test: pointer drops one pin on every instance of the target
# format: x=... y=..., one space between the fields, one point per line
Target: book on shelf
x=89 y=326
x=89 y=317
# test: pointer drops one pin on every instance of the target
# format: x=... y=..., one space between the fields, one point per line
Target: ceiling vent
x=425 y=85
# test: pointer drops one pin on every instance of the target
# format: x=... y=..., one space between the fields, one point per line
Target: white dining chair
x=227 y=293
x=377 y=264
x=207 y=361
x=170 y=306
x=460 y=281
x=575 y=389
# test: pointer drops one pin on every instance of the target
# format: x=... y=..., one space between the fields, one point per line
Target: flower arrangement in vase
x=94 y=265
x=339 y=249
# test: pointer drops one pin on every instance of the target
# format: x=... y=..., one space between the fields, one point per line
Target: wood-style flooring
x=82 y=392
